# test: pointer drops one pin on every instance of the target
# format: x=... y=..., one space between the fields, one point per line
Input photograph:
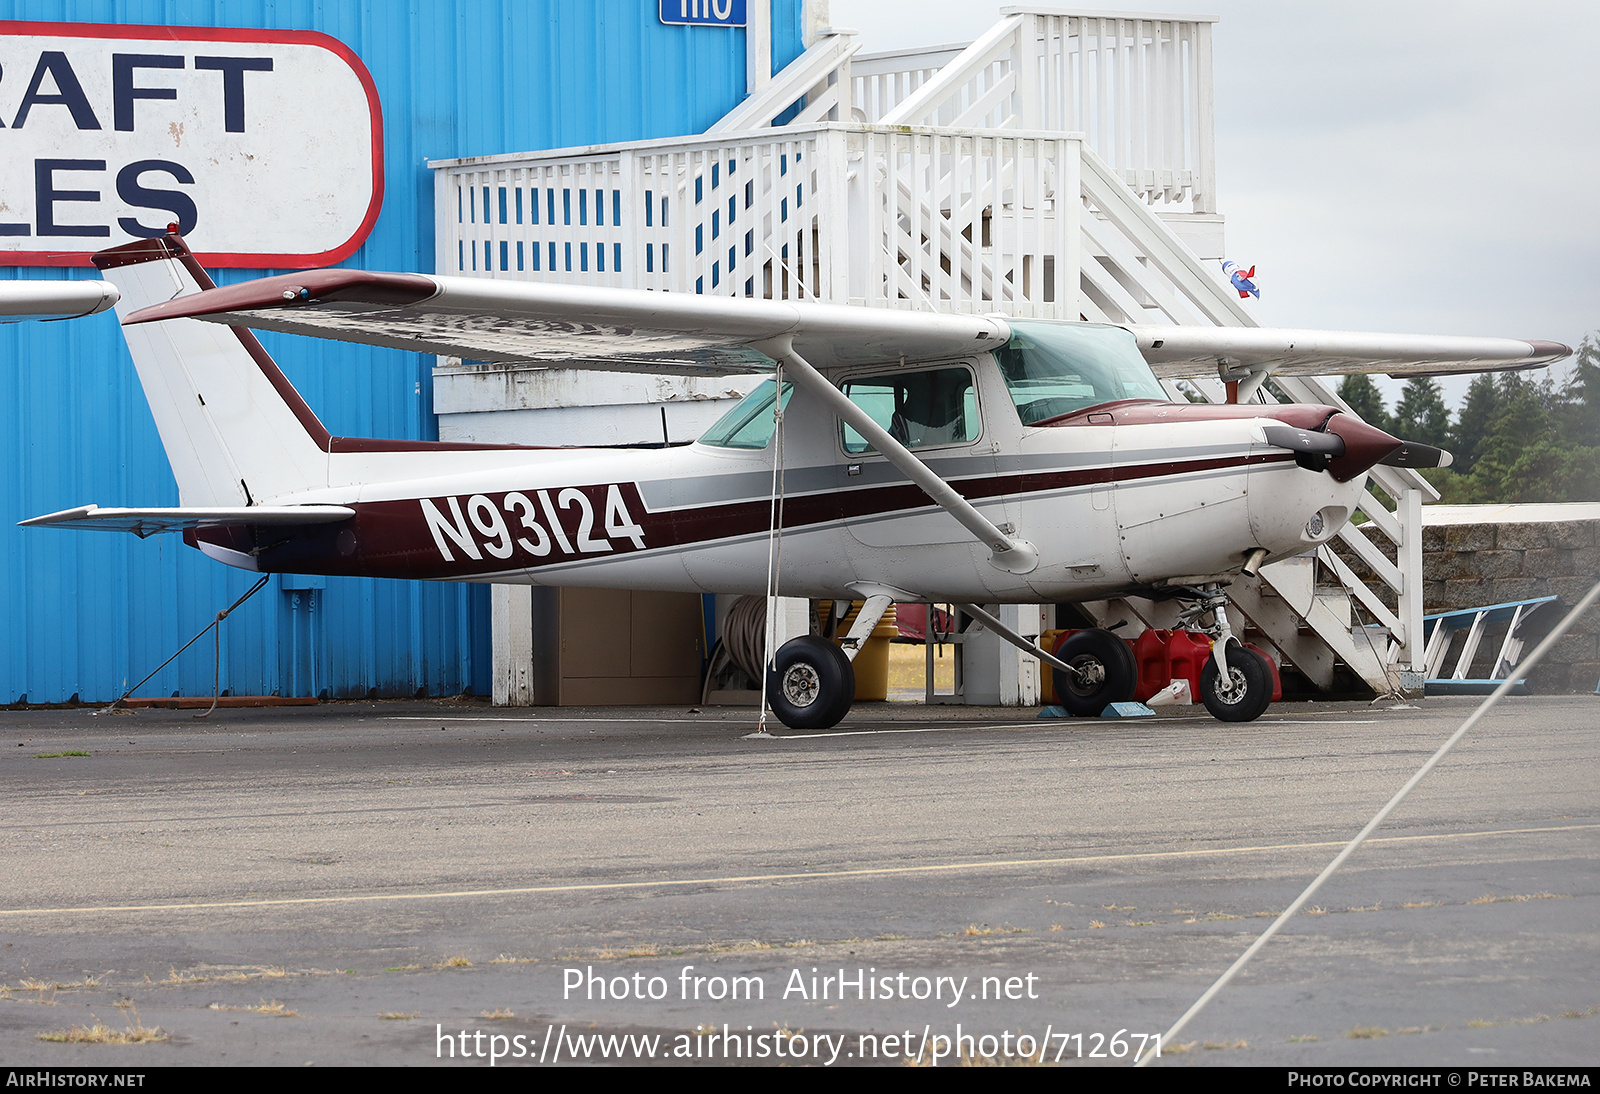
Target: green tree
x=1472 y=426
x=1579 y=409
x=1421 y=414
x=1531 y=450
x=1365 y=399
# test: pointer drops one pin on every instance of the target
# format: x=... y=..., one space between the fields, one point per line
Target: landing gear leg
x=1236 y=684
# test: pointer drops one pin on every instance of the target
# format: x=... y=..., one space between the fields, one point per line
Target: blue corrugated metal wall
x=86 y=613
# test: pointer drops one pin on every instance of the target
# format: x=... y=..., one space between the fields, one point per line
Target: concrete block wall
x=1468 y=565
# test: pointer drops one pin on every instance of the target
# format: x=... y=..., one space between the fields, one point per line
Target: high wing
x=1182 y=352
x=577 y=326
x=633 y=330
x=23 y=300
x=150 y=522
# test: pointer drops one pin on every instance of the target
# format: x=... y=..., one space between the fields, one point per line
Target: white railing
x=1138 y=87
x=881 y=81
x=814 y=87
x=911 y=218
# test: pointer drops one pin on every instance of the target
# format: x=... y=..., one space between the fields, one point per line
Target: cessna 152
x=967 y=459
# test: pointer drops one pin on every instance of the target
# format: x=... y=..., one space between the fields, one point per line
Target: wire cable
x=216 y=676
x=774 y=544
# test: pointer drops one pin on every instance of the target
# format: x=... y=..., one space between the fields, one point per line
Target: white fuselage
x=1111 y=506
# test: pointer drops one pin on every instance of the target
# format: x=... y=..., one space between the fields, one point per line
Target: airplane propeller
x=1350 y=447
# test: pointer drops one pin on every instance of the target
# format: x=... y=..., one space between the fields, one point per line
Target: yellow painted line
x=750 y=879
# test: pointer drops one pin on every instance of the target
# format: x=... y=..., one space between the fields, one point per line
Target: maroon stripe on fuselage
x=392 y=538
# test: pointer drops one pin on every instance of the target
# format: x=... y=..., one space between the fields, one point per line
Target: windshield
x=749 y=424
x=1056 y=368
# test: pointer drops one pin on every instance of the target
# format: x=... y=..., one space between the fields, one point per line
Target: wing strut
x=1011 y=554
x=988 y=619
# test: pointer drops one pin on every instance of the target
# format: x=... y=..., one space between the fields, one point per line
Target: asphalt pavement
x=439 y=883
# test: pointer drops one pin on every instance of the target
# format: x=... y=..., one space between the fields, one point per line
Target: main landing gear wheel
x=1109 y=673
x=1247 y=696
x=812 y=683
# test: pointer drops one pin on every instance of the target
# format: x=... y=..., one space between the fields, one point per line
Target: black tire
x=1252 y=686
x=1119 y=673
x=812 y=683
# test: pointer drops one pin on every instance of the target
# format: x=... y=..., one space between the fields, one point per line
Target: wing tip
x=288 y=291
x=1549 y=351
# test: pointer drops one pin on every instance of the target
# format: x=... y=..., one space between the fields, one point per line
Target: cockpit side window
x=1053 y=369
x=919 y=409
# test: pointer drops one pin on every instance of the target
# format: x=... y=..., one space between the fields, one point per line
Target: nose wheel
x=1246 y=692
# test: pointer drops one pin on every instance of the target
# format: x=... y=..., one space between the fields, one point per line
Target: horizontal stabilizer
x=1185 y=352
x=23 y=300
x=149 y=522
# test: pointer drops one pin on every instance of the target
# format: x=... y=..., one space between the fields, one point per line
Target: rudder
x=235 y=431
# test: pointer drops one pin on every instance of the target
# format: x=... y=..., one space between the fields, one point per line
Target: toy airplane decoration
x=947 y=458
x=1241 y=280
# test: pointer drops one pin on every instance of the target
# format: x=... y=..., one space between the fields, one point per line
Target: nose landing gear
x=1236 y=684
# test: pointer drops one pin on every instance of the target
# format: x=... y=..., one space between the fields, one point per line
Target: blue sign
x=703 y=13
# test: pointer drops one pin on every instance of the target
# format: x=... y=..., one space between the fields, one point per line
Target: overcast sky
x=1420 y=166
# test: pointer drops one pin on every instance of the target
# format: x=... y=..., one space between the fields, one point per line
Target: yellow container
x=1047 y=678
x=871 y=663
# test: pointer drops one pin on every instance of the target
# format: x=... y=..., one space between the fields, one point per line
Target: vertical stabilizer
x=235 y=431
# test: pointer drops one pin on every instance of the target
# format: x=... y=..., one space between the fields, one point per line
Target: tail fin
x=236 y=432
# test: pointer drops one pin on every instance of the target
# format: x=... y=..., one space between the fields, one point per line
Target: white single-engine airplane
x=966 y=459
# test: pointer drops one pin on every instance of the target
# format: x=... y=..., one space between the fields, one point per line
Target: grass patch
x=57 y=756
x=99 y=1033
x=498 y=1014
x=456 y=962
x=1304 y=1039
x=273 y=1009
x=1490 y=898
x=397 y=1016
x=1367 y=1033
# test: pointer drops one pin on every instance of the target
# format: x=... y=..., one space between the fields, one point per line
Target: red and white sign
x=264 y=146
